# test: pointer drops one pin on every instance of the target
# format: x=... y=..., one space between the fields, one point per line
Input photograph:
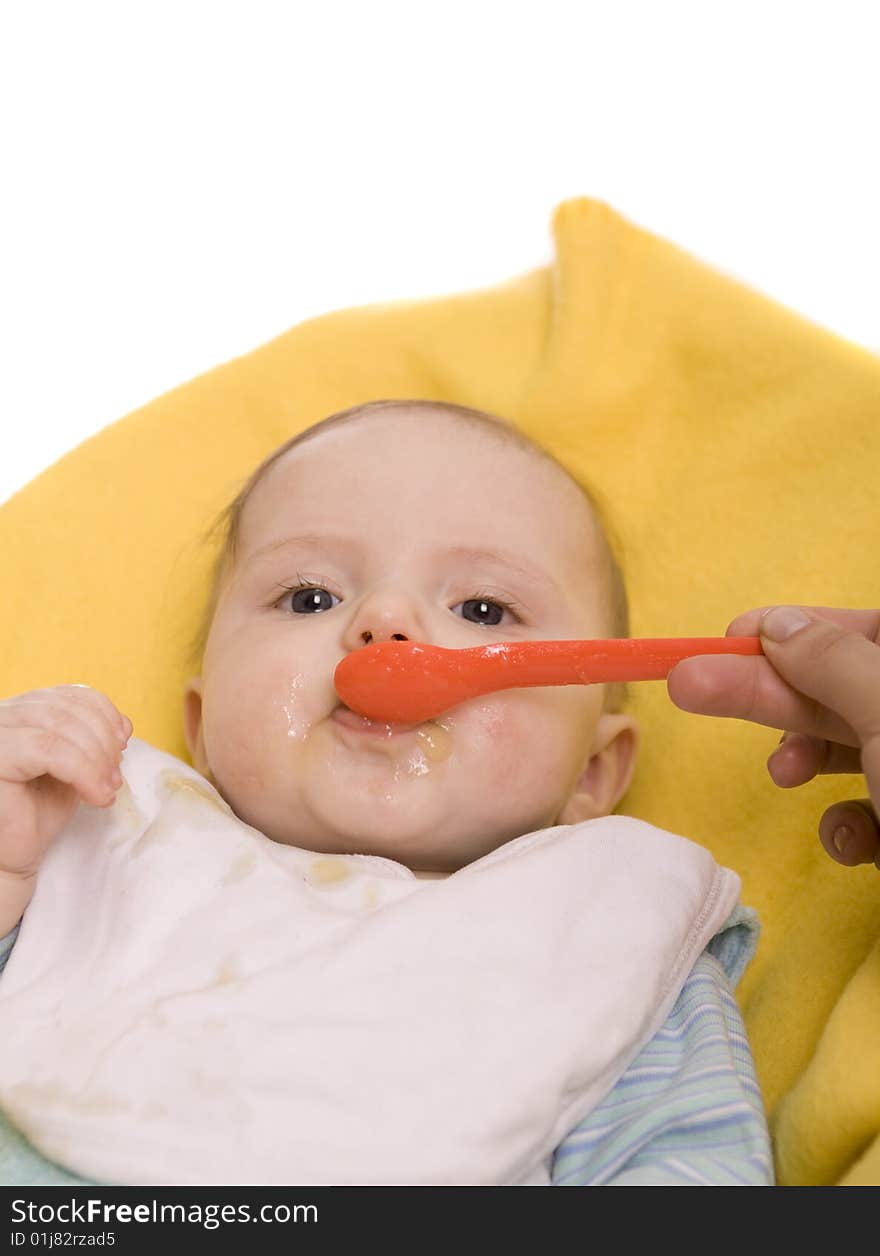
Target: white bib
x=190 y=1003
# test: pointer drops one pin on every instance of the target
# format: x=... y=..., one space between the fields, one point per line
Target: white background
x=183 y=181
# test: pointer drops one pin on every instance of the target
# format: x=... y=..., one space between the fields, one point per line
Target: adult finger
x=799 y=758
x=866 y=622
x=838 y=667
x=750 y=688
x=850 y=833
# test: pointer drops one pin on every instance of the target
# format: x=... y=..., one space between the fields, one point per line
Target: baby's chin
x=412 y=799
x=424 y=835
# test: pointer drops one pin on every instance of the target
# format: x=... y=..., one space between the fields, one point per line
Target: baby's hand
x=57 y=746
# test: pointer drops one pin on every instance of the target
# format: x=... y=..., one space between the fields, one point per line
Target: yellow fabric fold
x=735 y=446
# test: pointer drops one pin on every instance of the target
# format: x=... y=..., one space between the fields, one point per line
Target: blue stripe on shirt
x=688 y=1110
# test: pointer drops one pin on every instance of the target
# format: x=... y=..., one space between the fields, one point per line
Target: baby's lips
x=351 y=719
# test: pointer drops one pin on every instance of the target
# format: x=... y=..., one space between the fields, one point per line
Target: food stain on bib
x=241 y=867
x=328 y=871
x=188 y=787
x=124 y=809
x=228 y=971
x=155 y=834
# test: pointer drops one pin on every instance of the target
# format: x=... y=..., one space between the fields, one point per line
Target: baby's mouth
x=372 y=728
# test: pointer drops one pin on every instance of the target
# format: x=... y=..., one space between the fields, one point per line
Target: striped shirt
x=688 y=1110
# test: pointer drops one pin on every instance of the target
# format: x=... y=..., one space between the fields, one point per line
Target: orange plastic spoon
x=405 y=682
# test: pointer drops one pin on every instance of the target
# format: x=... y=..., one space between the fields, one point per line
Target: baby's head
x=415 y=520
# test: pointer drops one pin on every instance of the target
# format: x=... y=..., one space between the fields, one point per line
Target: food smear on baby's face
x=397 y=528
x=436 y=741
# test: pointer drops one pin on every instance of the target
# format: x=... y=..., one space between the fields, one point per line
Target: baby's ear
x=192 y=716
x=608 y=771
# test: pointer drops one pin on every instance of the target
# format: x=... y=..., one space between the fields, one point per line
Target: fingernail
x=842 y=838
x=782 y=622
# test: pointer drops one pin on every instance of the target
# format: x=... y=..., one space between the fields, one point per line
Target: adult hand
x=819 y=680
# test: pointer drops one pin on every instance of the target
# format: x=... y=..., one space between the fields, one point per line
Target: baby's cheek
x=240 y=726
x=511 y=745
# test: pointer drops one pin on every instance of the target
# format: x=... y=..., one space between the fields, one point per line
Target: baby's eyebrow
x=327 y=541
x=513 y=562
x=334 y=542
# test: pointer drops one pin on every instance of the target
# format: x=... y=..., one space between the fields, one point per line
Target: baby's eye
x=309 y=599
x=483 y=610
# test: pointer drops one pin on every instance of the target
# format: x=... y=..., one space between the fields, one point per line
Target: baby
x=346 y=952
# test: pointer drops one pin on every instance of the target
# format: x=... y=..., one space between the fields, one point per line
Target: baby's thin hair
x=226 y=527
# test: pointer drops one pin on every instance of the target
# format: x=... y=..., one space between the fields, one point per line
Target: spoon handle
x=596 y=661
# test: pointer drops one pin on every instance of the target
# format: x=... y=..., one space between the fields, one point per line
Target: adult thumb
x=836 y=666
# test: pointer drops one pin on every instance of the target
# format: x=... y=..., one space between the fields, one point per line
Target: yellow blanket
x=736 y=447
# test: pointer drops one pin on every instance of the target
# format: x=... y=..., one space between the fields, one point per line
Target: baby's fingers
x=89 y=700
x=84 y=715
x=27 y=753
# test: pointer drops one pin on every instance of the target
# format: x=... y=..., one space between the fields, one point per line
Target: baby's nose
x=367 y=637
x=385 y=614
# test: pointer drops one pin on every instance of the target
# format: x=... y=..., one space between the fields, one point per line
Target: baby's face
x=424 y=529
